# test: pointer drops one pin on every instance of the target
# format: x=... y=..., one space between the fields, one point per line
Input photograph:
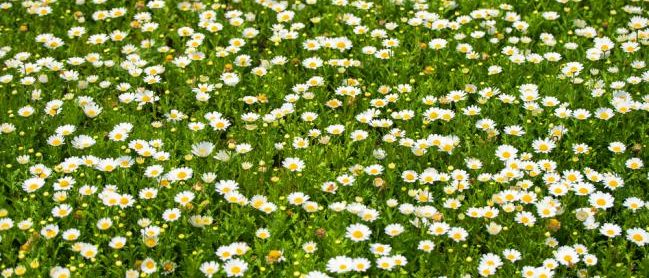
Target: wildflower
x=293 y=164
x=358 y=232
x=149 y=266
x=638 y=236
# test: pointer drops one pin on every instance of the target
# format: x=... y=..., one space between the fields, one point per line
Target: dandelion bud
x=379 y=182
x=494 y=228
x=553 y=225
x=320 y=233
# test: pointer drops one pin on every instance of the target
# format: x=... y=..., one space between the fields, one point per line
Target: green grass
x=431 y=74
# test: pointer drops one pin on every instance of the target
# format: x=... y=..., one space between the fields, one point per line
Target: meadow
x=324 y=138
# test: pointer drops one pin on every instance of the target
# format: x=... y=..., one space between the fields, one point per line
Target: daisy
x=293 y=164
x=426 y=246
x=374 y=170
x=33 y=184
x=358 y=232
x=262 y=233
x=525 y=218
x=346 y=180
x=184 y=198
x=171 y=215
x=589 y=259
x=316 y=274
x=117 y=242
x=634 y=203
x=59 y=272
x=104 y=223
x=61 y=211
x=153 y=171
x=638 y=236
x=209 y=268
x=50 y=231
x=399 y=260
x=226 y=186
x=617 y=147
x=225 y=252
x=235 y=267
x=230 y=78
x=601 y=200
x=512 y=255
x=202 y=149
x=309 y=247
x=71 y=234
x=543 y=145
x=506 y=152
x=312 y=63
x=380 y=249
x=634 y=163
x=89 y=251
x=148 y=193
x=340 y=264
x=149 y=266
x=457 y=234
x=180 y=174
x=566 y=256
x=385 y=263
x=297 y=198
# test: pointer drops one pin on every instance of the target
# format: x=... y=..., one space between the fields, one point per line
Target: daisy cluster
x=324 y=138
